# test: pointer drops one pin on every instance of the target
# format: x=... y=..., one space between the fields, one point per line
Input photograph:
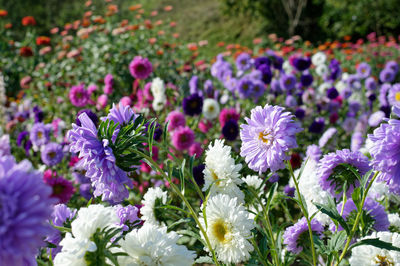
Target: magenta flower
x=183 y=138
x=176 y=119
x=140 y=67
x=79 y=96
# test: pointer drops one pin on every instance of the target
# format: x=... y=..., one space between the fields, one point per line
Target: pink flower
x=205 y=126
x=196 y=148
x=78 y=96
x=176 y=119
x=126 y=101
x=140 y=67
x=102 y=101
x=92 y=88
x=183 y=138
x=226 y=115
x=25 y=81
x=108 y=89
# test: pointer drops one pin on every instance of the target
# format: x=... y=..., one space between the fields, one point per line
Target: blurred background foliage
x=238 y=21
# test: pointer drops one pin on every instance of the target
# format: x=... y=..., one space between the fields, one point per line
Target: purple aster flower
x=306 y=79
x=353 y=82
x=245 y=87
x=128 y=214
x=120 y=114
x=193 y=84
x=5 y=148
x=370 y=84
x=98 y=160
x=383 y=92
x=394 y=95
x=22 y=137
x=258 y=88
x=157 y=130
x=313 y=152
x=357 y=140
x=262 y=60
x=52 y=154
x=266 y=73
x=230 y=130
x=91 y=115
x=317 y=126
x=243 y=62
x=182 y=138
x=334 y=183
x=289 y=191
x=332 y=93
x=328 y=134
x=335 y=70
x=267 y=137
x=300 y=113
x=387 y=75
x=40 y=134
x=385 y=150
x=25 y=209
x=39 y=115
x=373 y=209
x=363 y=70
x=393 y=66
x=287 y=82
x=276 y=87
x=192 y=105
x=231 y=84
x=274 y=178
x=290 y=101
x=301 y=63
x=296 y=236
x=376 y=118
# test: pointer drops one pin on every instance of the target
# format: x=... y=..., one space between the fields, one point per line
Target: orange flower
x=85 y=22
x=192 y=46
x=28 y=21
x=3 y=13
x=135 y=7
x=175 y=35
x=25 y=51
x=168 y=8
x=159 y=22
x=257 y=40
x=88 y=3
x=172 y=24
x=161 y=32
x=347 y=38
x=43 y=40
x=160 y=52
x=8 y=26
x=221 y=44
x=154 y=13
x=152 y=40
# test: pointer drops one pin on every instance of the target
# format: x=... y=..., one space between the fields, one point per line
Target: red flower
x=25 y=51
x=3 y=13
x=28 y=21
x=43 y=40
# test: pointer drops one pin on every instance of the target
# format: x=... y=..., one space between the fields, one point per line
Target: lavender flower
x=357 y=141
x=314 y=152
x=327 y=167
x=243 y=62
x=52 y=154
x=25 y=208
x=287 y=82
x=128 y=214
x=387 y=75
x=40 y=134
x=394 y=95
x=370 y=84
x=266 y=138
x=328 y=134
x=295 y=235
x=5 y=148
x=245 y=87
x=363 y=70
x=98 y=160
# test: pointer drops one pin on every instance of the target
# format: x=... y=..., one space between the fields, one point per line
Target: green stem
x=253 y=241
x=178 y=192
x=268 y=225
x=303 y=209
x=355 y=226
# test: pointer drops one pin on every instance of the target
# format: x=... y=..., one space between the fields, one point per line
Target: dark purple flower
x=245 y=87
x=198 y=174
x=266 y=73
x=289 y=191
x=262 y=60
x=370 y=84
x=335 y=70
x=39 y=115
x=90 y=114
x=306 y=80
x=22 y=137
x=287 y=82
x=332 y=93
x=52 y=154
x=258 y=88
x=300 y=113
x=25 y=209
x=317 y=126
x=296 y=237
x=192 y=105
x=302 y=63
x=230 y=130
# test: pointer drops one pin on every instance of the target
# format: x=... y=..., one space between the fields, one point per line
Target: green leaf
x=337 y=241
x=376 y=242
x=204 y=259
x=180 y=221
x=271 y=194
x=330 y=210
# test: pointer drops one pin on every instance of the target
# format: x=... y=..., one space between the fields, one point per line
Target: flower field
x=120 y=144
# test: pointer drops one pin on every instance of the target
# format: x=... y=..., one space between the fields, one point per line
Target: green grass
x=204 y=20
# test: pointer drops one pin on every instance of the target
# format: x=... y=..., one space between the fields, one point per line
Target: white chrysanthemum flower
x=149 y=201
x=394 y=220
x=369 y=255
x=158 y=88
x=228 y=229
x=287 y=67
x=159 y=103
x=221 y=173
x=73 y=251
x=311 y=190
x=318 y=59
x=75 y=245
x=152 y=245
x=210 y=108
x=321 y=70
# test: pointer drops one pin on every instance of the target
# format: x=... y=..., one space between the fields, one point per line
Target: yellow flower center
x=40 y=134
x=219 y=230
x=383 y=261
x=215 y=177
x=52 y=154
x=397 y=96
x=263 y=136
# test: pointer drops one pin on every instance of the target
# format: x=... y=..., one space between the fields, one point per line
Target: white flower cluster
x=149 y=200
